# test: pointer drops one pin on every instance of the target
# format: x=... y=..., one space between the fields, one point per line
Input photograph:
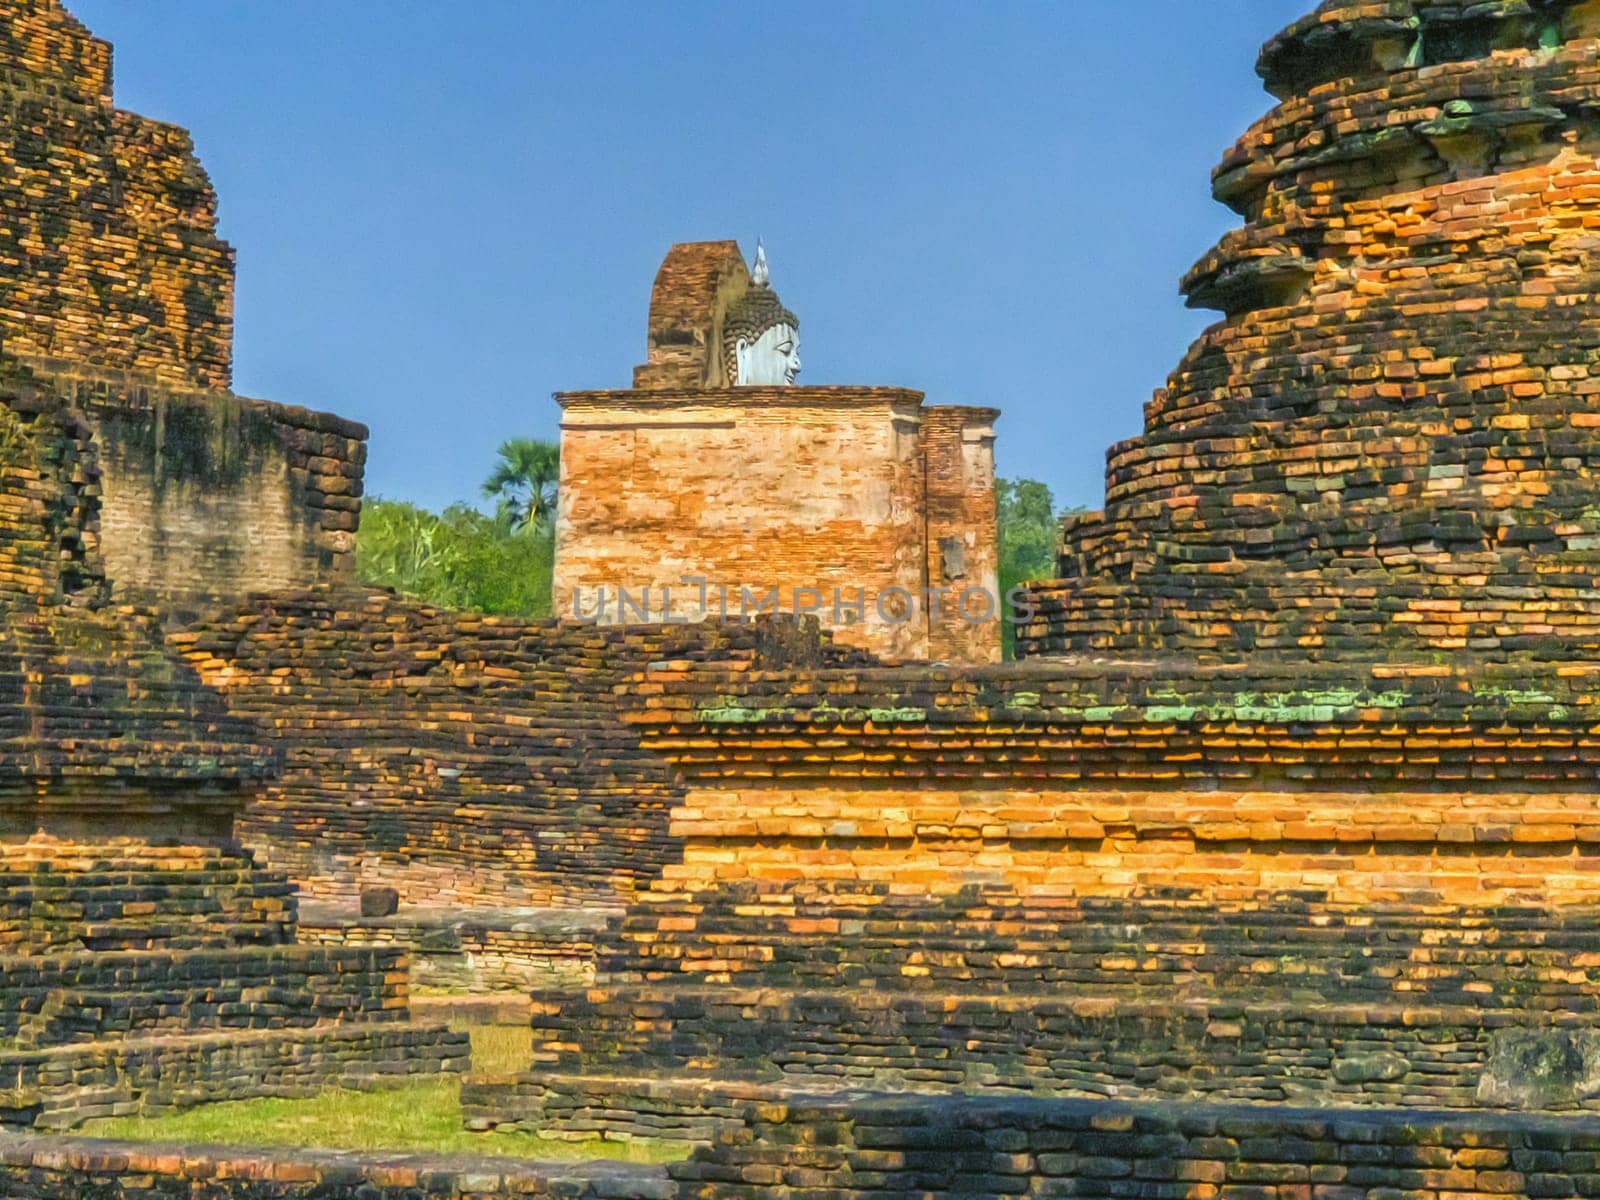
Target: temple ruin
x=699 y=496
x=1271 y=871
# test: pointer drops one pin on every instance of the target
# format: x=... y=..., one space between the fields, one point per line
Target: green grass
x=501 y=1049
x=424 y=1116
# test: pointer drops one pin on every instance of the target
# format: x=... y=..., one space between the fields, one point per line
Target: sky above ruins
x=442 y=219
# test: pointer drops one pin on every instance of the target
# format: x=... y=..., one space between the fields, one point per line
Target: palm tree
x=525 y=481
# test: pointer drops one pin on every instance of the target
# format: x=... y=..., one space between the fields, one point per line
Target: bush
x=458 y=559
x=1030 y=535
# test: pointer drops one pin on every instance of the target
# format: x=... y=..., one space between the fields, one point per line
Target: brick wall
x=210 y=497
x=199 y=496
x=963 y=552
x=1282 y=997
x=63 y=1086
x=948 y=1146
x=456 y=757
x=1249 y=1049
x=788 y=488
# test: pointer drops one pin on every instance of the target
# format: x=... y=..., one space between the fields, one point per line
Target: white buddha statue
x=760 y=337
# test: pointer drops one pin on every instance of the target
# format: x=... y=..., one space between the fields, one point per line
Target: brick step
x=581 y=1107
x=1238 y=1049
x=155 y=899
x=1521 y=979
x=1305 y=911
x=62 y=1087
x=98 y=997
x=999 y=941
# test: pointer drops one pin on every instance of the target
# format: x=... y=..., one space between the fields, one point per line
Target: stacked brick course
x=960 y=1146
x=456 y=757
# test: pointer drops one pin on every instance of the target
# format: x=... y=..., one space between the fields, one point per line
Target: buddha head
x=760 y=337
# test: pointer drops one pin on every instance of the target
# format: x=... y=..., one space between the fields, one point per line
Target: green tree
x=458 y=559
x=1030 y=535
x=524 y=484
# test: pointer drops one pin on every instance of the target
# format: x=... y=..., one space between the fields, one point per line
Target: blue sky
x=447 y=211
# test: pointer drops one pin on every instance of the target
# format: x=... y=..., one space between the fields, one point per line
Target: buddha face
x=772 y=360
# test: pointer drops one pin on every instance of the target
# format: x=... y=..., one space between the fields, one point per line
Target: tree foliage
x=523 y=484
x=1030 y=534
x=456 y=559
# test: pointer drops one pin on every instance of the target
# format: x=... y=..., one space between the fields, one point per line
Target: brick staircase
x=137 y=979
x=1284 y=998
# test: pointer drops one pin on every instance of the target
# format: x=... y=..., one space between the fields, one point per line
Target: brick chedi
x=116 y=291
x=698 y=499
x=108 y=221
x=1387 y=445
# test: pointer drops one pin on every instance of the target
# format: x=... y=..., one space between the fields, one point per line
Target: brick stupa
x=1387 y=448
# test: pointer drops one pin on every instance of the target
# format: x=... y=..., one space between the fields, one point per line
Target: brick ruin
x=1272 y=872
x=1387 y=445
x=459 y=759
x=118 y=294
x=146 y=961
x=847 y=502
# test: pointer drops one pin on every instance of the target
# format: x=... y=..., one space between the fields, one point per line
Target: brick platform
x=1370 y=782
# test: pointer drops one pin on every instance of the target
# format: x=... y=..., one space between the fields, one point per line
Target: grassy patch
x=501 y=1049
x=424 y=1116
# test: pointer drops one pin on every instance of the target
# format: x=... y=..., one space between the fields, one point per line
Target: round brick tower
x=1390 y=445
